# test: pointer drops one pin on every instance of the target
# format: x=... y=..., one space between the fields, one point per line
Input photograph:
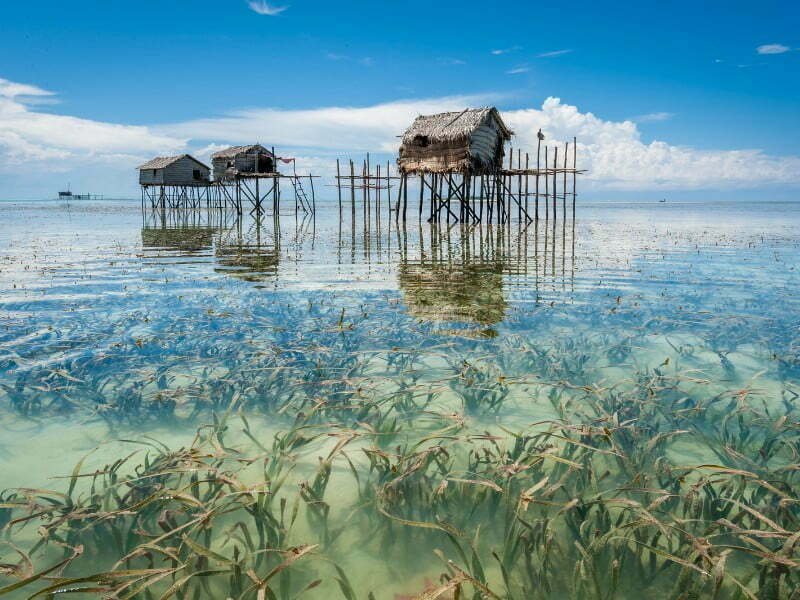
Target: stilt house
x=242 y=160
x=182 y=169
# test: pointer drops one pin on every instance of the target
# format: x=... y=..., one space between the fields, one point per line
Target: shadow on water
x=456 y=273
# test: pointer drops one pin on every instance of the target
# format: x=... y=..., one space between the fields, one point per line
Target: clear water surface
x=424 y=350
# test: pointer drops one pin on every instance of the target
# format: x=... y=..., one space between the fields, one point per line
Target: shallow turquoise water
x=115 y=325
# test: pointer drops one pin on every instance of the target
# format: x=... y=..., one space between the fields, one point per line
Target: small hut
x=182 y=169
x=469 y=142
x=239 y=160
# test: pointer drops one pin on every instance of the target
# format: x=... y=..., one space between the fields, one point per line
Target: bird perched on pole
x=540 y=135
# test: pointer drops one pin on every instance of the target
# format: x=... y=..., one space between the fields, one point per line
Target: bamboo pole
x=574 y=173
x=555 y=180
x=519 y=185
x=353 y=190
x=564 y=183
x=538 y=154
x=546 y=189
x=405 y=196
x=421 y=194
x=339 y=187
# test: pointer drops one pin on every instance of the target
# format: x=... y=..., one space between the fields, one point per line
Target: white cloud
x=553 y=53
x=10 y=89
x=655 y=117
x=618 y=159
x=772 y=49
x=501 y=51
x=33 y=143
x=28 y=136
x=357 y=129
x=518 y=70
x=262 y=8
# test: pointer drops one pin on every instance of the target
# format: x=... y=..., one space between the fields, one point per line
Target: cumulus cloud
x=772 y=49
x=262 y=8
x=618 y=159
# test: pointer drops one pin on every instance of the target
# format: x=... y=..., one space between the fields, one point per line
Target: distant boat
x=663 y=200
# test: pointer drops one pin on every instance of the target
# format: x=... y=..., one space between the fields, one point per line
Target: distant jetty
x=68 y=195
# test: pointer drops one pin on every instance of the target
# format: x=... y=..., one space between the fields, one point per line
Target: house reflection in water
x=181 y=233
x=181 y=239
x=458 y=279
x=252 y=256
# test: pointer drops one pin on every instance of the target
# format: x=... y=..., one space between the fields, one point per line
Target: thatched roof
x=449 y=127
x=160 y=162
x=469 y=141
x=234 y=151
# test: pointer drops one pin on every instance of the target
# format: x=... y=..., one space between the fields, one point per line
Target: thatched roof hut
x=182 y=169
x=469 y=142
x=242 y=160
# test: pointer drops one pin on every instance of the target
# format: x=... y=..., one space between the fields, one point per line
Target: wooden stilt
x=555 y=180
x=564 y=185
x=574 y=176
x=339 y=187
x=546 y=189
x=421 y=193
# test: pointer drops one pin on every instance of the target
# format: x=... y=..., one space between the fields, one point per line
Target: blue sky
x=687 y=74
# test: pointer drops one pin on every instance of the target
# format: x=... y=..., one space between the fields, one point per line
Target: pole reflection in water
x=460 y=274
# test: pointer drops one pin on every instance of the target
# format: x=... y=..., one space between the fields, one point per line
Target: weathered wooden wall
x=242 y=163
x=180 y=172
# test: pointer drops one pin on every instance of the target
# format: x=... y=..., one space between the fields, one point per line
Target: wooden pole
x=519 y=185
x=564 y=183
x=538 y=153
x=480 y=200
x=405 y=196
x=546 y=189
x=527 y=177
x=399 y=196
x=574 y=173
x=339 y=187
x=555 y=180
x=432 y=195
x=353 y=191
x=421 y=193
x=364 y=202
x=388 y=192
x=366 y=183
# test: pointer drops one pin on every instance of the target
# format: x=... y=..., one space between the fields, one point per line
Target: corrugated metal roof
x=159 y=162
x=236 y=150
